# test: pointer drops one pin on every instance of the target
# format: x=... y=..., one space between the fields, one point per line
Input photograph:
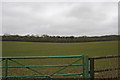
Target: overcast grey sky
x=64 y=19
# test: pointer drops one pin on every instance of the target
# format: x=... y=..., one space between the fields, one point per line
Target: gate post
x=91 y=68
x=85 y=68
x=6 y=68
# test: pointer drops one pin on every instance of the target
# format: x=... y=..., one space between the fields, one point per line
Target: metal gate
x=83 y=58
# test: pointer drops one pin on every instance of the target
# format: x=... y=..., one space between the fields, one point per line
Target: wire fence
x=104 y=67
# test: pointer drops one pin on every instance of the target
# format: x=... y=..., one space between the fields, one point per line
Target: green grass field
x=92 y=49
x=52 y=49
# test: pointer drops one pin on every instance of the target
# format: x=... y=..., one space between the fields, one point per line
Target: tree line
x=58 y=39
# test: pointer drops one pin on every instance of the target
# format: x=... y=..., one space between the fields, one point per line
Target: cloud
x=60 y=18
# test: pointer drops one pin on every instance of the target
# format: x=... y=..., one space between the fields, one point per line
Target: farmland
x=92 y=49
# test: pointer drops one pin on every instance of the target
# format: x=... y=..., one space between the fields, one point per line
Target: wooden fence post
x=91 y=68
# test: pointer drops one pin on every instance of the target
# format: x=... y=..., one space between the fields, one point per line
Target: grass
x=92 y=49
